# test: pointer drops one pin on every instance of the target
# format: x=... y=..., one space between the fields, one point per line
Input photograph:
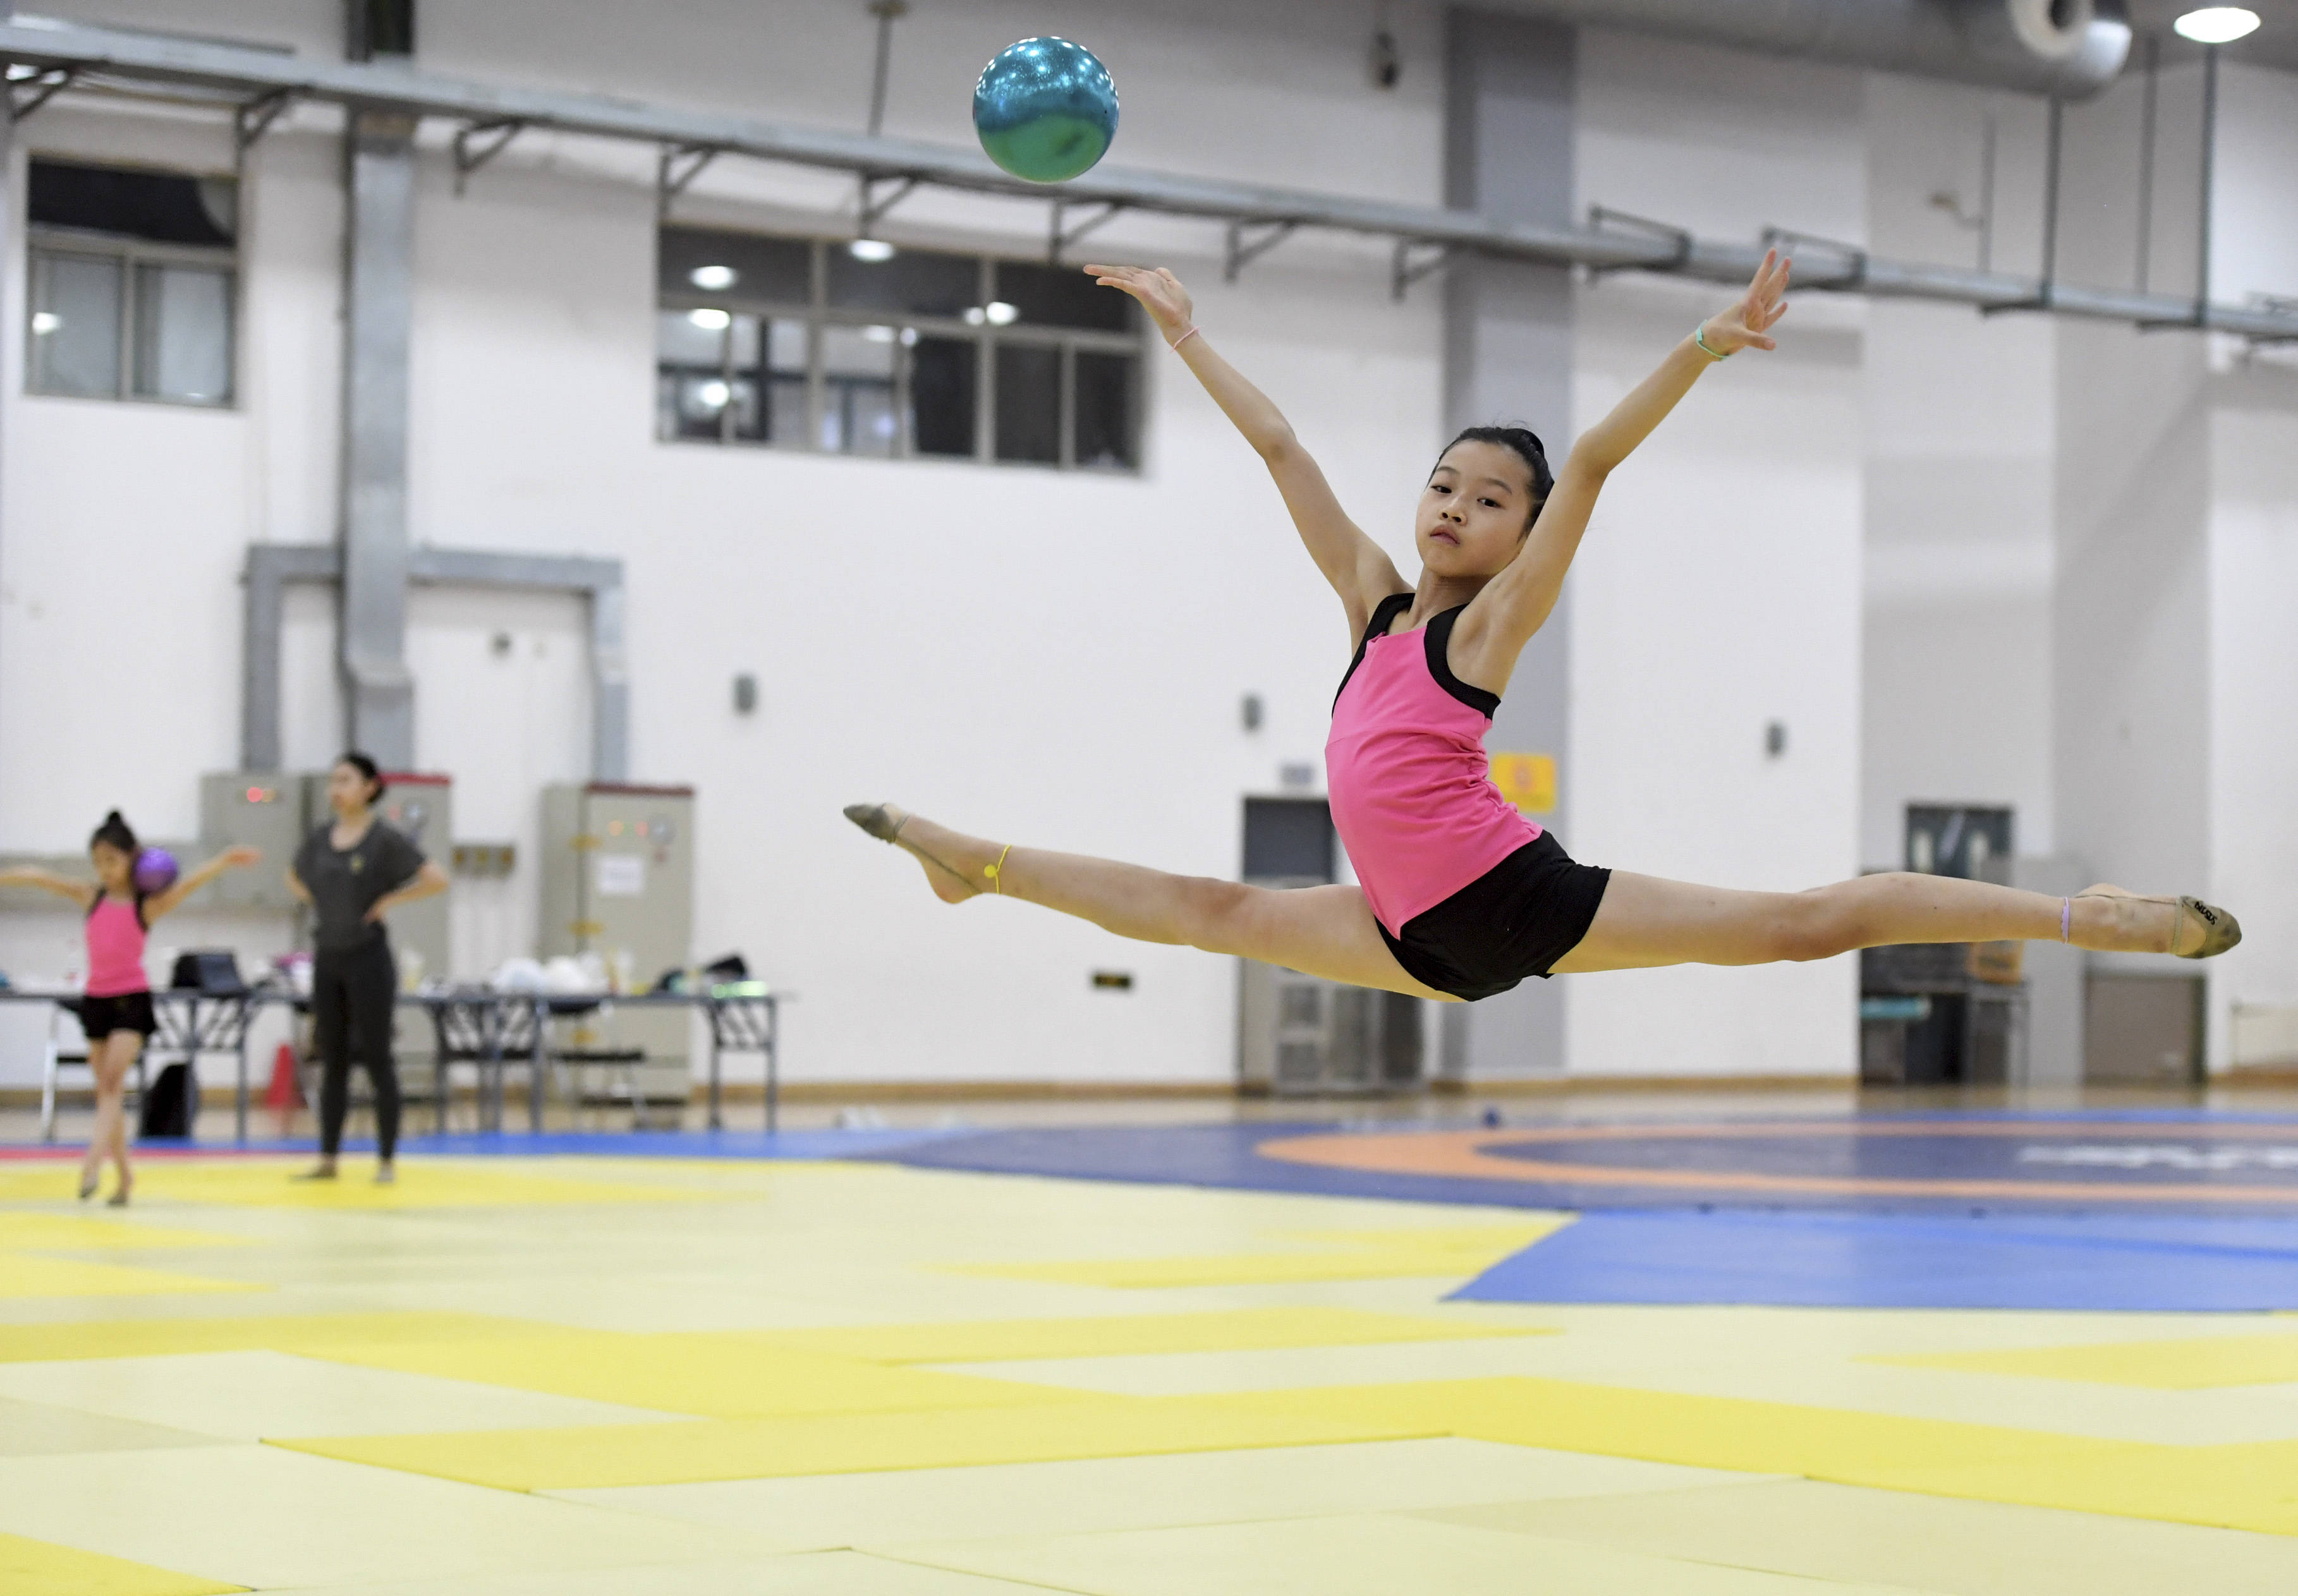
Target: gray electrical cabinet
x=1301 y=1035
x=618 y=881
x=254 y=809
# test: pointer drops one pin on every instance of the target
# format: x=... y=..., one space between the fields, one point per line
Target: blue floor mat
x=2110 y=1263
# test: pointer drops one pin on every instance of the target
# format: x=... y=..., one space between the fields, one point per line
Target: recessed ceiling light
x=872 y=249
x=46 y=321
x=2217 y=24
x=709 y=320
x=879 y=334
x=714 y=394
x=1001 y=314
x=713 y=279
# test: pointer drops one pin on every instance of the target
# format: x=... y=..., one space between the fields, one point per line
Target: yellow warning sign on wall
x=1527 y=780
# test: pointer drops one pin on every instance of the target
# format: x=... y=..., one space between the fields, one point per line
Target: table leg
x=717 y=1120
x=239 y=1094
x=535 y=1066
x=773 y=1065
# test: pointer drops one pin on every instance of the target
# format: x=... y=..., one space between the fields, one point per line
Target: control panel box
x=254 y=809
x=618 y=881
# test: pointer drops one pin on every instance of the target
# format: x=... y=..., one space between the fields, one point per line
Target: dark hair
x=116 y=832
x=1524 y=444
x=366 y=766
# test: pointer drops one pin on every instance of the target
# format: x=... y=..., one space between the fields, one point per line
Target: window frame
x=818 y=315
x=131 y=255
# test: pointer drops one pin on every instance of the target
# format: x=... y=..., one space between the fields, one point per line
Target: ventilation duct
x=2070 y=48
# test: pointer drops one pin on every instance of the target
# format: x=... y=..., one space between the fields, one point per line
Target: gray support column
x=378 y=319
x=1508 y=358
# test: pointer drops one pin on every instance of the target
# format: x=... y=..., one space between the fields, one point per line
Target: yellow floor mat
x=1958 y=1548
x=1335 y=1255
x=1370 y=1554
x=308 y=1333
x=28 y=1274
x=69 y=1233
x=34 y=1428
x=595 y=1458
x=1239 y=1329
x=37 y=1568
x=714 y=1375
x=2252 y=1486
x=2199 y=1363
x=262 y=1183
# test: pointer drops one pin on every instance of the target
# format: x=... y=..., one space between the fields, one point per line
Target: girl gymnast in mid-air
x=1461 y=897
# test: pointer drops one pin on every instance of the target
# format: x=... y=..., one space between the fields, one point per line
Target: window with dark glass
x=133 y=282
x=810 y=344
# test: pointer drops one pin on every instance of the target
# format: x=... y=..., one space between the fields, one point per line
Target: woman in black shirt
x=352 y=872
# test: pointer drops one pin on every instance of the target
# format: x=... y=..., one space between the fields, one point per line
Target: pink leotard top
x=1410 y=783
x=115 y=949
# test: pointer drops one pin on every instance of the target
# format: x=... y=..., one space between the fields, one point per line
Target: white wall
x=1955 y=657
x=1058 y=658
x=1718 y=587
x=1956 y=555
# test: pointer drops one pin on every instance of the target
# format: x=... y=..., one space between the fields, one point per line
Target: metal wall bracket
x=478 y=143
x=1601 y=217
x=252 y=120
x=2273 y=305
x=873 y=208
x=1405 y=271
x=272 y=567
x=27 y=94
x=1852 y=276
x=677 y=167
x=1248 y=241
x=1057 y=240
x=2045 y=296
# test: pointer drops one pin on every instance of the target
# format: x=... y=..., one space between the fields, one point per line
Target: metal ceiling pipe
x=2069 y=48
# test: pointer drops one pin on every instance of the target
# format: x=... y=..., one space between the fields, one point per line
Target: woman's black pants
x=352 y=997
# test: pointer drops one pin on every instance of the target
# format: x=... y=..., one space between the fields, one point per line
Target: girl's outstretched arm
x=81 y=892
x=1360 y=570
x=1517 y=601
x=169 y=901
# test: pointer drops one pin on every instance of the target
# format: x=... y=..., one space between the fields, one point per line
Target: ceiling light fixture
x=1001 y=314
x=713 y=279
x=714 y=394
x=2217 y=24
x=46 y=321
x=709 y=320
x=871 y=250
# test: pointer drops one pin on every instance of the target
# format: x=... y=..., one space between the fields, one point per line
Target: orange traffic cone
x=285 y=1095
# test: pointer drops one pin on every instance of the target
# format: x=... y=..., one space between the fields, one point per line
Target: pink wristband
x=1184 y=338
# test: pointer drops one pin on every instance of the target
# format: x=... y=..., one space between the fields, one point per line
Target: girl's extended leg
x=1326 y=931
x=112 y=1066
x=1645 y=921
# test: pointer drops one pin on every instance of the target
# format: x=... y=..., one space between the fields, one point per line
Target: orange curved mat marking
x=1464 y=1155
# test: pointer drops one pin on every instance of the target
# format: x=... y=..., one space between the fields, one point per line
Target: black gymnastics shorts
x=99 y=1018
x=1516 y=919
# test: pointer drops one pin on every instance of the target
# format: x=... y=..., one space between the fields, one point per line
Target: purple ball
x=155 y=870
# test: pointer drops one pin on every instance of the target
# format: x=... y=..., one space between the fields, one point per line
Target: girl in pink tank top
x=115 y=1005
x=1458 y=895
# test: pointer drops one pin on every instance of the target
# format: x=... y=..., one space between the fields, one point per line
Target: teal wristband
x=1699 y=337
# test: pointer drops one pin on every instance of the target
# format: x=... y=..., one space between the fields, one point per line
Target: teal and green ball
x=1046 y=110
